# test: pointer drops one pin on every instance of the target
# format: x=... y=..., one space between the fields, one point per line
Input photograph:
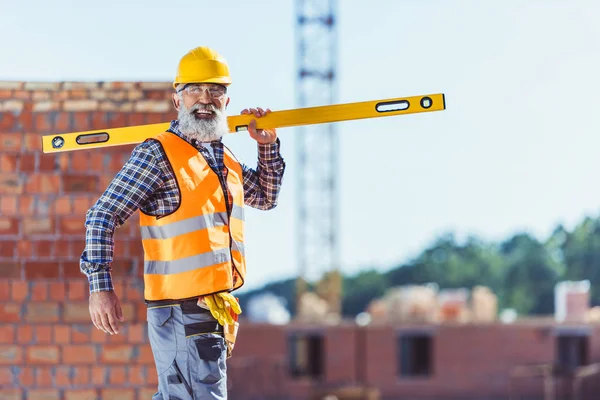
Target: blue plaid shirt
x=146 y=182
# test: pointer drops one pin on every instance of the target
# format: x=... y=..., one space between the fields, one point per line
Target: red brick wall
x=48 y=347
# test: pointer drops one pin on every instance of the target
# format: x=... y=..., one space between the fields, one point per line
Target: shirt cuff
x=268 y=153
x=100 y=281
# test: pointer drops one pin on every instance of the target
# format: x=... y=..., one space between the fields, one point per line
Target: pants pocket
x=175 y=385
x=161 y=332
x=209 y=366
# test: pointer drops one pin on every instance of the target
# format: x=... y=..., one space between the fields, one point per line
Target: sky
x=515 y=150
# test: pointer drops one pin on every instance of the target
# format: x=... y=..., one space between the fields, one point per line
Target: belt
x=188 y=306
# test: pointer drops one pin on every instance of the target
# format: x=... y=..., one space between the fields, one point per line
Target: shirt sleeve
x=137 y=180
x=262 y=185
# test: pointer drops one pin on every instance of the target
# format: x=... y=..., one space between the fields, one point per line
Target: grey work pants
x=189 y=353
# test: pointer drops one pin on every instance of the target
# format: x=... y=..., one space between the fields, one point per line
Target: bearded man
x=191 y=192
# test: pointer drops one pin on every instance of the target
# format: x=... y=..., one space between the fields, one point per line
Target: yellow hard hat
x=202 y=65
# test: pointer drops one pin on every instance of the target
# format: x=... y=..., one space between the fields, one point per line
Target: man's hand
x=264 y=136
x=105 y=310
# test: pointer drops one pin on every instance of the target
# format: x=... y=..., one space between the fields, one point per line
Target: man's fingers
x=119 y=312
x=114 y=326
x=245 y=111
x=105 y=323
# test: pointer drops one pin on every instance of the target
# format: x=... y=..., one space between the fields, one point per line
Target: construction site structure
x=317 y=219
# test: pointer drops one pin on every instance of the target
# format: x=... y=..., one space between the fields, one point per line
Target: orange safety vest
x=199 y=248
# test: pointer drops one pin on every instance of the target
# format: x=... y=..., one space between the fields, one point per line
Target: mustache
x=197 y=107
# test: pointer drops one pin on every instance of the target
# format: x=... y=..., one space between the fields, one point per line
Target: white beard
x=203 y=130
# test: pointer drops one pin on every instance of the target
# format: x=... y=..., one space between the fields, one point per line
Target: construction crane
x=317 y=213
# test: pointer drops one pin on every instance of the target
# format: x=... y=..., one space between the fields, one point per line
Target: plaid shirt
x=146 y=182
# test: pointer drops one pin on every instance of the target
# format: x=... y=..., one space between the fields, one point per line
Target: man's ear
x=175 y=98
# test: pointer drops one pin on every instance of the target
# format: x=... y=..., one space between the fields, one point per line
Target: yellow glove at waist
x=222 y=306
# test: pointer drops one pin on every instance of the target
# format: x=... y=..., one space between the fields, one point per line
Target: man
x=191 y=193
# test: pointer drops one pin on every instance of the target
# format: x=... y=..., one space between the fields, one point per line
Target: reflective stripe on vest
x=198 y=249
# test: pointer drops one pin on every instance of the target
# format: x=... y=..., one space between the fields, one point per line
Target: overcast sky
x=515 y=150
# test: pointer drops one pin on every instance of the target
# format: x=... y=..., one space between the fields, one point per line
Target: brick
x=44 y=123
x=56 y=291
x=76 y=311
x=44 y=248
x=9 y=226
x=25 y=334
x=39 y=95
x=99 y=376
x=79 y=354
x=144 y=354
x=24 y=121
x=97 y=336
x=79 y=183
x=11 y=183
x=38 y=225
x=10 y=312
x=117 y=375
x=43 y=394
x=62 y=123
x=146 y=393
x=72 y=225
x=53 y=86
x=136 y=375
x=153 y=94
x=12 y=106
x=7 y=333
x=27 y=204
x=11 y=394
x=61 y=334
x=8 y=162
x=43 y=355
x=41 y=312
x=6 y=377
x=81 y=204
x=81 y=333
x=47 y=162
x=82 y=121
x=10 y=354
x=71 y=269
x=7 y=121
x=33 y=142
x=11 y=142
x=81 y=394
x=80 y=85
x=25 y=249
x=80 y=105
x=136 y=333
x=39 y=291
x=43 y=183
x=62 y=206
x=27 y=162
x=42 y=269
x=7 y=250
x=80 y=375
x=25 y=376
x=44 y=376
x=8 y=205
x=7 y=85
x=19 y=290
x=77 y=289
x=45 y=105
x=117 y=354
x=118 y=394
x=63 y=376
x=43 y=334
x=152 y=106
x=4 y=289
x=136 y=118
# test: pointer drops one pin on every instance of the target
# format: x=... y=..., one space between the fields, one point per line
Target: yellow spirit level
x=276 y=119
